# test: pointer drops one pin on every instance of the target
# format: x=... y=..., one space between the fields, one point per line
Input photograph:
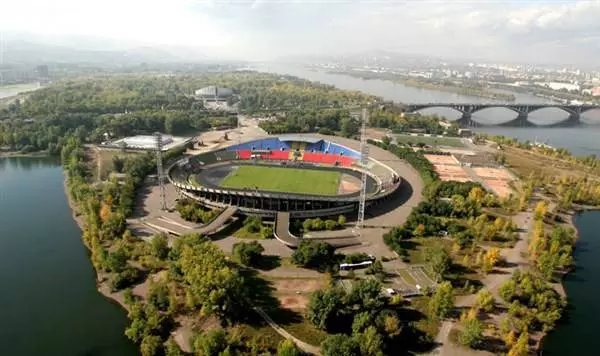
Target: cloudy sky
x=529 y=30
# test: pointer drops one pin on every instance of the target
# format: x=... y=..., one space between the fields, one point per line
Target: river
x=49 y=302
x=583 y=286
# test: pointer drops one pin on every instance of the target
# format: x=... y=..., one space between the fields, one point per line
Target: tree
x=172 y=349
x=313 y=254
x=472 y=334
x=324 y=306
x=540 y=210
x=150 y=345
x=438 y=261
x=288 y=348
x=340 y=345
x=484 y=300
x=349 y=127
x=160 y=246
x=442 y=301
x=370 y=342
x=521 y=347
x=341 y=220
x=490 y=259
x=211 y=343
x=366 y=296
x=361 y=321
x=391 y=325
x=211 y=282
x=248 y=253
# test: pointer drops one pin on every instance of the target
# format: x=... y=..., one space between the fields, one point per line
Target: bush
x=128 y=277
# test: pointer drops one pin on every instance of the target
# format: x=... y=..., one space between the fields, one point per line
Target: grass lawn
x=431 y=141
x=415 y=246
x=289 y=180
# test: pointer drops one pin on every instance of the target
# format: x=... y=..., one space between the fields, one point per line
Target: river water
x=49 y=304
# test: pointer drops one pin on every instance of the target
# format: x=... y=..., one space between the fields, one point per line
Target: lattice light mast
x=364 y=160
x=159 y=170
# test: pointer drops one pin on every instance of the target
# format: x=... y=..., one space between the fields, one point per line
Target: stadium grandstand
x=294 y=176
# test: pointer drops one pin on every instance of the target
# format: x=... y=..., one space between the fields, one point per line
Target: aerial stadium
x=305 y=176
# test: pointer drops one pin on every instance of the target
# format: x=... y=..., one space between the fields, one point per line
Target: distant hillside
x=27 y=52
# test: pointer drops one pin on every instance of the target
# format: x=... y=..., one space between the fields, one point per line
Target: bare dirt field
x=441 y=159
x=500 y=187
x=295 y=293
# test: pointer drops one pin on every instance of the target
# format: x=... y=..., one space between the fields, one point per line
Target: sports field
x=278 y=179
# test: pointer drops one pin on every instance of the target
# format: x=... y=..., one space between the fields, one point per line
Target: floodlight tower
x=159 y=170
x=364 y=160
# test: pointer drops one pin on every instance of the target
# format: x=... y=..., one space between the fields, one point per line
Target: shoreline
x=571 y=222
x=101 y=286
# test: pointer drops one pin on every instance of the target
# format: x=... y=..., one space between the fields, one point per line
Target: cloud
x=532 y=29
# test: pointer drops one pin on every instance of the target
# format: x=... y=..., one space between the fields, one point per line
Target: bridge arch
x=561 y=107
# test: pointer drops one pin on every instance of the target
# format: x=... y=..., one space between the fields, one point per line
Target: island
x=248 y=240
x=468 y=88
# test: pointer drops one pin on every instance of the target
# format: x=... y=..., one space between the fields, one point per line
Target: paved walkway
x=313 y=350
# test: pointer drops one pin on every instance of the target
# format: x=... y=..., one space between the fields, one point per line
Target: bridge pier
x=466 y=121
x=519 y=121
x=573 y=120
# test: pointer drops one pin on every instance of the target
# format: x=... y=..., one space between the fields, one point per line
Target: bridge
x=522 y=110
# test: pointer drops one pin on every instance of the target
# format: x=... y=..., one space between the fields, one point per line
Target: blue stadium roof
x=296 y=138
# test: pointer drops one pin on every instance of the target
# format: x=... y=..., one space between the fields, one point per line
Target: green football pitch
x=288 y=180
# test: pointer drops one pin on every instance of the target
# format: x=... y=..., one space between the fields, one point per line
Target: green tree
x=370 y=342
x=150 y=345
x=211 y=343
x=366 y=296
x=361 y=321
x=442 y=301
x=521 y=347
x=160 y=246
x=248 y=253
x=313 y=254
x=484 y=300
x=472 y=334
x=172 y=349
x=288 y=348
x=340 y=345
x=438 y=261
x=211 y=282
x=324 y=306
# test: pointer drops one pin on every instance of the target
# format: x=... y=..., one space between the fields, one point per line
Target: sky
x=527 y=30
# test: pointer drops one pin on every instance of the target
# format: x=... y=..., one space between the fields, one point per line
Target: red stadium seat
x=244 y=154
x=279 y=155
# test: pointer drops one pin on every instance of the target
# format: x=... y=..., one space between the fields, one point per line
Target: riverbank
x=101 y=282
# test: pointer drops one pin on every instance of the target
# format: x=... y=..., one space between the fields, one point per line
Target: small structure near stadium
x=147 y=142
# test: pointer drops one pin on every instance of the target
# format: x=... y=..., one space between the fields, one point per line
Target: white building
x=214 y=92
